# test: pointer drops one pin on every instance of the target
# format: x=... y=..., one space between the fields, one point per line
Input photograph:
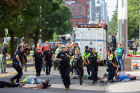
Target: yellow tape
x=11 y=73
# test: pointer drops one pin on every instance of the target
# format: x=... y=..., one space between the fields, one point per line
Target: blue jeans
x=120 y=63
x=134 y=50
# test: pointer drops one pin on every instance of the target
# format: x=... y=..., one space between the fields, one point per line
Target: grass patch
x=131 y=53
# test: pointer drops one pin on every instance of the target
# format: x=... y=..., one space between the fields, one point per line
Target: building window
x=88 y=9
x=79 y=22
x=72 y=8
x=83 y=22
x=80 y=8
x=97 y=10
x=76 y=22
x=87 y=16
x=87 y=2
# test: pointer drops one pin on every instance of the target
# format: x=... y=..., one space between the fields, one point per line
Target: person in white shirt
x=134 y=47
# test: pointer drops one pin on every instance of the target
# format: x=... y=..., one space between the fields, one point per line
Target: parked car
x=130 y=44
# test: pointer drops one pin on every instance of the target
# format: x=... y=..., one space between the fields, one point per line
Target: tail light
x=100 y=49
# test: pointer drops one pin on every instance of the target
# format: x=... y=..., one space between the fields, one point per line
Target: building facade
x=104 y=12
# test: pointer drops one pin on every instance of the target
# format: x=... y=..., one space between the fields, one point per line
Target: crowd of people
x=67 y=59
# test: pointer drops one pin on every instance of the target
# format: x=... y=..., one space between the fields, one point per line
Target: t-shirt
x=54 y=49
x=26 y=79
x=124 y=77
x=123 y=52
x=135 y=45
x=3 y=50
x=20 y=56
x=48 y=55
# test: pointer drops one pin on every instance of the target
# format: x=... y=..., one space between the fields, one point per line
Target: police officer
x=86 y=52
x=17 y=64
x=3 y=57
x=64 y=60
x=112 y=66
x=56 y=52
x=39 y=59
x=48 y=60
x=77 y=62
x=93 y=59
x=72 y=52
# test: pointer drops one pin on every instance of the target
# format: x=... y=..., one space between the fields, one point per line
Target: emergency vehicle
x=94 y=36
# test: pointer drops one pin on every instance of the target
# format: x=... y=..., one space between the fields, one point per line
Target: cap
x=4 y=43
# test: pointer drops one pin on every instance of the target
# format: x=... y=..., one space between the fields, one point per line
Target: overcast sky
x=111 y=7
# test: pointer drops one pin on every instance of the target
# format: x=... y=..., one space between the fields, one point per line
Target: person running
x=38 y=61
x=17 y=64
x=48 y=55
x=3 y=57
x=86 y=52
x=8 y=84
x=78 y=62
x=64 y=60
x=93 y=58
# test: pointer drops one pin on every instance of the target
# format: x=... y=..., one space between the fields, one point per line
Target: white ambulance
x=93 y=36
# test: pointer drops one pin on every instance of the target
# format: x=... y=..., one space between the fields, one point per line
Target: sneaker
x=111 y=81
x=66 y=88
x=80 y=83
x=12 y=80
x=71 y=73
x=93 y=82
x=5 y=72
x=15 y=80
x=43 y=69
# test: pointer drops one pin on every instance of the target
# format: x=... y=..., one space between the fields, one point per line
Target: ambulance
x=94 y=36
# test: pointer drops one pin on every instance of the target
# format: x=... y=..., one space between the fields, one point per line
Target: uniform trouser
x=71 y=69
x=111 y=72
x=48 y=66
x=94 y=72
x=88 y=69
x=19 y=71
x=65 y=75
x=43 y=65
x=4 y=84
x=3 y=62
x=24 y=63
x=80 y=73
x=38 y=67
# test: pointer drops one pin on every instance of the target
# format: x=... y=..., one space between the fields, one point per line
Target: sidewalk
x=126 y=87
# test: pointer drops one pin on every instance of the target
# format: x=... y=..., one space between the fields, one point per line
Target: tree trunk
x=12 y=46
x=26 y=38
x=35 y=42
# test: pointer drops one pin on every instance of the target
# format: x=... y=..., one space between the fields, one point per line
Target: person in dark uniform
x=48 y=59
x=86 y=52
x=64 y=60
x=54 y=49
x=72 y=52
x=8 y=84
x=17 y=64
x=3 y=57
x=93 y=58
x=112 y=66
x=39 y=59
x=77 y=62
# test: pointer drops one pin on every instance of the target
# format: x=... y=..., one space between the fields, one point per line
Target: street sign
x=6 y=31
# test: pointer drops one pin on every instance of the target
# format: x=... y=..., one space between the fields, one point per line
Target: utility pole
x=122 y=24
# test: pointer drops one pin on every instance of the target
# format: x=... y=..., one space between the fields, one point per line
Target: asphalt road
x=55 y=81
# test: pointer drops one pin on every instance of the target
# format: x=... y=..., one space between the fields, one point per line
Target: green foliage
x=133 y=22
x=8 y=46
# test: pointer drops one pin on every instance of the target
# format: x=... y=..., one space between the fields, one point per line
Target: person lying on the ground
x=8 y=84
x=43 y=85
x=31 y=80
